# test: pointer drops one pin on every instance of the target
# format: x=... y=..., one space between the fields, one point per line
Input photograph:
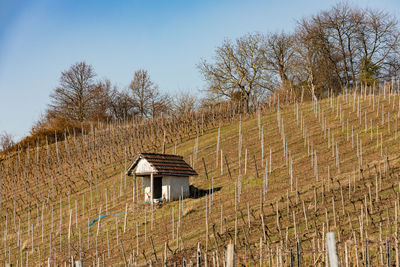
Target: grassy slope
x=317 y=196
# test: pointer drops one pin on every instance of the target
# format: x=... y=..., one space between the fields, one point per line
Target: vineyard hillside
x=273 y=182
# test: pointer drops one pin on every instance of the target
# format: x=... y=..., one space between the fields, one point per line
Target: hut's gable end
x=144 y=166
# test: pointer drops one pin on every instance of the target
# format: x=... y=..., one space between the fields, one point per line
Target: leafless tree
x=315 y=69
x=122 y=105
x=238 y=71
x=326 y=41
x=102 y=101
x=346 y=44
x=280 y=51
x=6 y=141
x=339 y=25
x=72 y=99
x=184 y=102
x=378 y=36
x=160 y=103
x=144 y=93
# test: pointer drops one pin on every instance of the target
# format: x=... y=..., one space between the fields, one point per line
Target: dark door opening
x=157 y=187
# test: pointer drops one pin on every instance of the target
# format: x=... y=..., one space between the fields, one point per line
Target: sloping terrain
x=282 y=178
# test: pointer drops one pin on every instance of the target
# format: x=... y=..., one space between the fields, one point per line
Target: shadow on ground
x=198 y=192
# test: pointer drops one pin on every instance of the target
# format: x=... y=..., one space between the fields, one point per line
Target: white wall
x=172 y=187
x=146 y=182
x=144 y=166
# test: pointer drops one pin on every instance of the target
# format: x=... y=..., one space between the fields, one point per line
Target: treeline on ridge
x=334 y=50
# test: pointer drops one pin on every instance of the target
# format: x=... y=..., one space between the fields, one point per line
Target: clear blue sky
x=39 y=39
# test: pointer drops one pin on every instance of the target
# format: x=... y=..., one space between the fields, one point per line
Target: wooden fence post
x=198 y=256
x=205 y=168
x=255 y=165
x=388 y=251
x=151 y=188
x=291 y=258
x=230 y=255
x=331 y=246
x=366 y=251
x=227 y=166
x=298 y=253
x=165 y=255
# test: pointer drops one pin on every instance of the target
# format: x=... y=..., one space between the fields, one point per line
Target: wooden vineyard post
x=163 y=147
x=217 y=150
x=205 y=167
x=255 y=165
x=263 y=227
x=230 y=256
x=165 y=255
x=298 y=254
x=151 y=188
x=133 y=188
x=198 y=256
x=137 y=239
x=388 y=252
x=98 y=223
x=291 y=258
x=396 y=251
x=261 y=252
x=222 y=165
x=331 y=247
x=245 y=162
x=126 y=214
x=270 y=160
x=227 y=165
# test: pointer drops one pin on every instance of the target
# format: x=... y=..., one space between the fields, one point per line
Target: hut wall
x=146 y=181
x=172 y=187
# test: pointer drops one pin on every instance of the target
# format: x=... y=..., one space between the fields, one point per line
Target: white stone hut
x=165 y=177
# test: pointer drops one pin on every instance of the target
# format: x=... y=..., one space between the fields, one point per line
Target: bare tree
x=340 y=30
x=6 y=141
x=315 y=69
x=325 y=35
x=160 y=103
x=122 y=105
x=239 y=70
x=378 y=36
x=101 y=101
x=184 y=102
x=72 y=99
x=144 y=93
x=280 y=50
x=347 y=44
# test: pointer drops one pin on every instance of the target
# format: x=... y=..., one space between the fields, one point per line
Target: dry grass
x=352 y=226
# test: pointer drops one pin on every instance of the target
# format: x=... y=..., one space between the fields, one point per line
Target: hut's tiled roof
x=164 y=164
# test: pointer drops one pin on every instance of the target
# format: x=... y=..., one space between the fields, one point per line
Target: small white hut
x=165 y=177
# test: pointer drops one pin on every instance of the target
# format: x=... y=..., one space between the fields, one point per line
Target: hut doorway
x=157 y=187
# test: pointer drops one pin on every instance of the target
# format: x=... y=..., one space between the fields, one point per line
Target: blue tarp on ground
x=104 y=216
